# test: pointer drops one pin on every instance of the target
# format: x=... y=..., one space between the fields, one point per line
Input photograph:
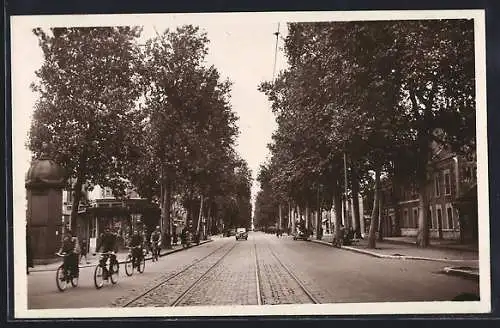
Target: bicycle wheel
x=115 y=267
x=74 y=281
x=98 y=281
x=61 y=279
x=142 y=264
x=129 y=265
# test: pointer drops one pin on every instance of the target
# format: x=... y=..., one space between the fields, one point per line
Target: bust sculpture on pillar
x=44 y=184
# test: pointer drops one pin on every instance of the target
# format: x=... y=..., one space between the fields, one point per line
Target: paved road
x=262 y=270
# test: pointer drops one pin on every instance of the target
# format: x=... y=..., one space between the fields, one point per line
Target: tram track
x=179 y=299
x=186 y=292
x=257 y=274
x=259 y=277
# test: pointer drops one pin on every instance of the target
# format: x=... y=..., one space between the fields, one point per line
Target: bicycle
x=65 y=276
x=131 y=262
x=102 y=272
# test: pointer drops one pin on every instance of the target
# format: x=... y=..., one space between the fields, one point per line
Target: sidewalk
x=93 y=260
x=436 y=243
x=389 y=249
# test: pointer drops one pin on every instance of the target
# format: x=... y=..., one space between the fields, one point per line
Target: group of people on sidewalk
x=74 y=251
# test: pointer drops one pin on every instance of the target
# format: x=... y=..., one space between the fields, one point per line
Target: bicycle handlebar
x=63 y=254
x=105 y=253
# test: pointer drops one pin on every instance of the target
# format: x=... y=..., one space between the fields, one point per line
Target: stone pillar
x=44 y=184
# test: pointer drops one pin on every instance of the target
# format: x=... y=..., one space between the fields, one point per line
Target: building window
x=439 y=217
x=106 y=192
x=429 y=218
x=436 y=186
x=447 y=183
x=415 y=217
x=449 y=217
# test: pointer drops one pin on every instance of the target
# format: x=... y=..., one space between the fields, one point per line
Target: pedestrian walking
x=174 y=236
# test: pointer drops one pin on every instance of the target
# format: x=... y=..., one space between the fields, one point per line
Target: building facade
x=450 y=215
x=99 y=209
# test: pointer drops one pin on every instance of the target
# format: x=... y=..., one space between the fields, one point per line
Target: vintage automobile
x=229 y=232
x=241 y=233
x=301 y=234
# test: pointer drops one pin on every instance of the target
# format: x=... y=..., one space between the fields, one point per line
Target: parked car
x=241 y=233
x=303 y=235
x=271 y=229
x=229 y=232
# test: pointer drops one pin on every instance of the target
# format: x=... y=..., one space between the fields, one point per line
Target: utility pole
x=277 y=33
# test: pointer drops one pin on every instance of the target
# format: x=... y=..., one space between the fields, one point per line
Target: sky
x=242 y=50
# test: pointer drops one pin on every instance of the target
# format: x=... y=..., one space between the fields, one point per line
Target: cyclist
x=136 y=242
x=70 y=247
x=108 y=242
x=156 y=240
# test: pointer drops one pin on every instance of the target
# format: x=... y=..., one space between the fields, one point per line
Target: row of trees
x=153 y=116
x=377 y=96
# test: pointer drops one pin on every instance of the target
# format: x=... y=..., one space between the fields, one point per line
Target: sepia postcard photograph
x=250 y=164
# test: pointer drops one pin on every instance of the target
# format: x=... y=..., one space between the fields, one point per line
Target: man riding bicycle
x=156 y=240
x=70 y=247
x=136 y=243
x=108 y=242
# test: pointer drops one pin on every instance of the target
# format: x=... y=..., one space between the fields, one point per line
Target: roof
x=44 y=172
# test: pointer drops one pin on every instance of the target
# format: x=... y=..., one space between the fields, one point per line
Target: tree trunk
x=423 y=220
x=77 y=195
x=307 y=218
x=280 y=217
x=209 y=219
x=439 y=220
x=355 y=203
x=337 y=204
x=200 y=215
x=319 y=226
x=381 y=219
x=375 y=211
x=298 y=214
x=165 y=212
x=346 y=197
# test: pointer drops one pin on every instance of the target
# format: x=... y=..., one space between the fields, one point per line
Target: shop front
x=120 y=217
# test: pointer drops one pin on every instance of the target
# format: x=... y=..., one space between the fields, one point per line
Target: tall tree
x=189 y=125
x=88 y=90
x=396 y=78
